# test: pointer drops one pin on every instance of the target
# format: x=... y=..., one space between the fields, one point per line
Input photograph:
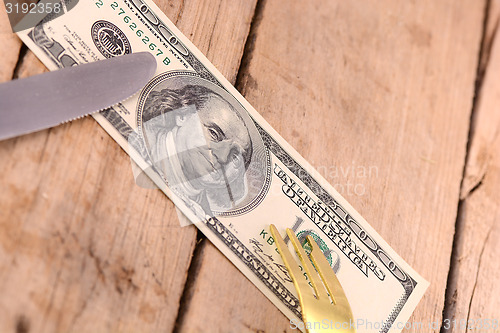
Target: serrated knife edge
x=46 y=100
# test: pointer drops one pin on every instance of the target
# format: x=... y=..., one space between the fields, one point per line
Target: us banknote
x=224 y=166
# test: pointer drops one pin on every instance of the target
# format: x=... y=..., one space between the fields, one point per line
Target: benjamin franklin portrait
x=201 y=145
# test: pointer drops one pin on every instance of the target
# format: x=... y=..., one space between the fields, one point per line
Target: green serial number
x=138 y=32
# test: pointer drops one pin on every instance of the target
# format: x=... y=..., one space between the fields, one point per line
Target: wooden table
x=408 y=91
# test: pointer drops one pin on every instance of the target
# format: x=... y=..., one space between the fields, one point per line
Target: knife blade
x=46 y=100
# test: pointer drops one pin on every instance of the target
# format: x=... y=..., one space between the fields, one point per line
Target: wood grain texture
x=491 y=23
x=234 y=303
x=82 y=247
x=473 y=285
x=385 y=86
x=10 y=46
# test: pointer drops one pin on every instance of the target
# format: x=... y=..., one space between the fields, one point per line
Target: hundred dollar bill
x=224 y=166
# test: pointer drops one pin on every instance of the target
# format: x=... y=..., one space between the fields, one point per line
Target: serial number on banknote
x=138 y=32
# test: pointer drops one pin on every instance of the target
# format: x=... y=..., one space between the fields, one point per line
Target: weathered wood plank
x=234 y=303
x=10 y=46
x=82 y=247
x=473 y=288
x=377 y=95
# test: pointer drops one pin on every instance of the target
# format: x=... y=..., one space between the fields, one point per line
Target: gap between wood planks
x=201 y=239
x=194 y=267
x=482 y=66
x=22 y=54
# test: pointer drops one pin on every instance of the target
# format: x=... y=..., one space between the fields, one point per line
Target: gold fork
x=319 y=314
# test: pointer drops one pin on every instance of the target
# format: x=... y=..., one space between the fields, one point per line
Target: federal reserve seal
x=331 y=256
x=109 y=39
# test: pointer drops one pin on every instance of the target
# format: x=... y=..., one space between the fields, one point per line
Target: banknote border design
x=161 y=33
x=233 y=243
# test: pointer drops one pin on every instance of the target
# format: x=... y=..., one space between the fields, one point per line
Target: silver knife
x=49 y=99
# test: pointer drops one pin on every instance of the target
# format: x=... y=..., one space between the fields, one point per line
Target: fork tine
x=301 y=285
x=311 y=272
x=315 y=309
x=328 y=276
